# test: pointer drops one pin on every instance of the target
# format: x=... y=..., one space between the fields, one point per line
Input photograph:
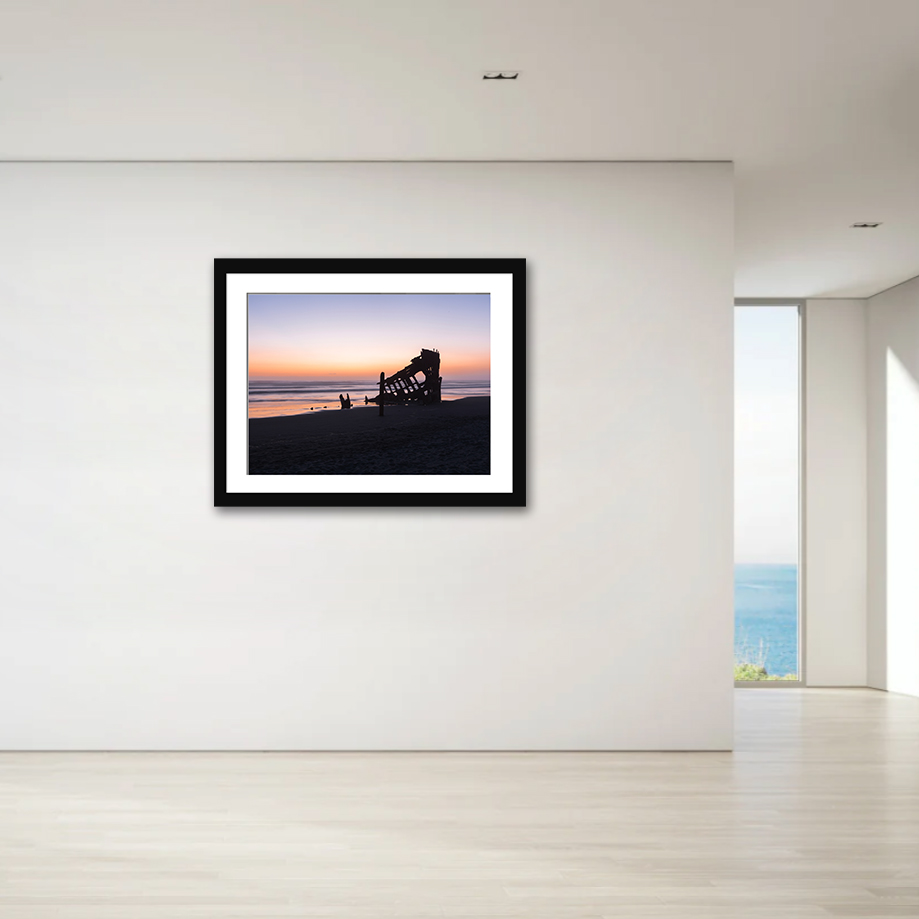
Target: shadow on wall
x=902 y=524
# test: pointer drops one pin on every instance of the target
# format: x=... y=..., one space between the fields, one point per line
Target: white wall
x=138 y=616
x=893 y=489
x=835 y=456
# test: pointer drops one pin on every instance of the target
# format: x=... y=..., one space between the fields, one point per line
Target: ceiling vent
x=865 y=226
x=500 y=74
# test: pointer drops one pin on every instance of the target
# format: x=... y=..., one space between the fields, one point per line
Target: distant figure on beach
x=345 y=401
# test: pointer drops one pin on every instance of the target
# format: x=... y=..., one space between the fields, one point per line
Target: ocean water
x=766 y=616
x=291 y=397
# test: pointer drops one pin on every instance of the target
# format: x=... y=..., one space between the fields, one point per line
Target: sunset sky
x=355 y=336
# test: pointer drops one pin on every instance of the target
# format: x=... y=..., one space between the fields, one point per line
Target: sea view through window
x=766 y=489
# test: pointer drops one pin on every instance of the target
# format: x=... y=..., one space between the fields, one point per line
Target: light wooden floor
x=815 y=815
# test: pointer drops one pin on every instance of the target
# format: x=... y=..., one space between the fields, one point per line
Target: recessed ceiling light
x=865 y=226
x=500 y=74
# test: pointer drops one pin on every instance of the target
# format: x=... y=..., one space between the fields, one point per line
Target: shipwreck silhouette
x=405 y=385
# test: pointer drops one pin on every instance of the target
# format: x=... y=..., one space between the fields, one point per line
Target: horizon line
x=292 y=379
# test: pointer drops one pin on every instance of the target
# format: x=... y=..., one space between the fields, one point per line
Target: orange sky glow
x=356 y=336
x=270 y=367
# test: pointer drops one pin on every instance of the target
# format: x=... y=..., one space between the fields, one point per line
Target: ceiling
x=815 y=101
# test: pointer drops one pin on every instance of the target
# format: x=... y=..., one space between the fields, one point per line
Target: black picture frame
x=234 y=276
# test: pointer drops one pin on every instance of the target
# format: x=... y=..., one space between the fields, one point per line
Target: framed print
x=370 y=382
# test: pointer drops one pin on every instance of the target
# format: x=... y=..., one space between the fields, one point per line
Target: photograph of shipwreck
x=369 y=384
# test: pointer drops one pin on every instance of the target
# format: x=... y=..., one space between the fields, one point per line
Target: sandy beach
x=451 y=438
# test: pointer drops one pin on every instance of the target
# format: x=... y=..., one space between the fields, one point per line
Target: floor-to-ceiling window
x=767 y=631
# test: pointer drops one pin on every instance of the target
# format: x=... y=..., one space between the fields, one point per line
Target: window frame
x=801 y=306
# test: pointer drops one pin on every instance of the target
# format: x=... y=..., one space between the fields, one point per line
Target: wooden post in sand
x=382 y=377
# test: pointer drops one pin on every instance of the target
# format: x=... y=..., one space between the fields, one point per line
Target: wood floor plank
x=815 y=815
